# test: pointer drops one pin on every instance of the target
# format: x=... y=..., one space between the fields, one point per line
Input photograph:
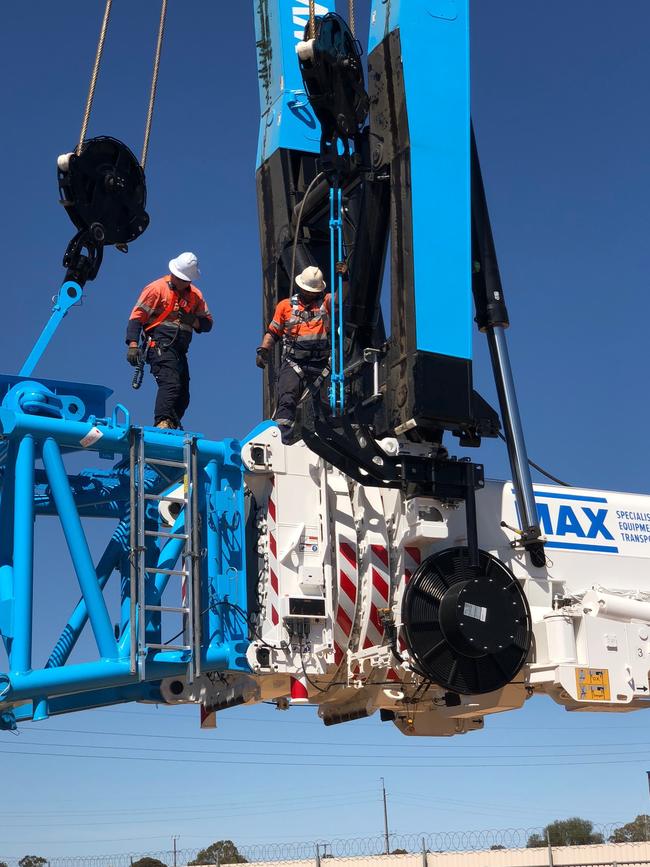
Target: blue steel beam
x=70 y=294
x=109 y=561
x=287 y=118
x=435 y=64
x=7 y=493
x=79 y=551
x=20 y=657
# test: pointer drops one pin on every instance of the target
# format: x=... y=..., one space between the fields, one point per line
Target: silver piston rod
x=492 y=319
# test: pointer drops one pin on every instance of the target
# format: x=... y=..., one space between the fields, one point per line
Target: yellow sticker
x=592 y=684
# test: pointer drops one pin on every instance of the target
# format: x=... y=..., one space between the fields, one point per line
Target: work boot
x=165 y=424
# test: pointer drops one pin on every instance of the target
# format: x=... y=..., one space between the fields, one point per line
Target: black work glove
x=132 y=355
x=262 y=358
x=342 y=269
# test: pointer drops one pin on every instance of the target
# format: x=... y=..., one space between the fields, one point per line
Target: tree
x=633 y=832
x=32 y=861
x=3 y=864
x=148 y=862
x=566 y=832
x=221 y=852
x=497 y=847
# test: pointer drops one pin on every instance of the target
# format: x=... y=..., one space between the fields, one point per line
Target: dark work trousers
x=170 y=370
x=291 y=386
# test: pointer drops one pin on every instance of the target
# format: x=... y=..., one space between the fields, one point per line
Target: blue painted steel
x=287 y=119
x=83 y=676
x=61 y=686
x=90 y=398
x=79 y=551
x=338 y=303
x=337 y=386
x=223 y=596
x=435 y=61
x=109 y=561
x=69 y=434
x=20 y=656
x=334 y=377
x=70 y=294
x=7 y=492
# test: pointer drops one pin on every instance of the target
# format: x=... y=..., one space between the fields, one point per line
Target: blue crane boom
x=362 y=568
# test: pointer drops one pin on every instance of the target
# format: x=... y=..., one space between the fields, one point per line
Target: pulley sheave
x=333 y=77
x=468 y=628
x=103 y=191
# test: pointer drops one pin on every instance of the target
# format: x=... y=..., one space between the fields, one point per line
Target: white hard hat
x=185 y=267
x=311 y=280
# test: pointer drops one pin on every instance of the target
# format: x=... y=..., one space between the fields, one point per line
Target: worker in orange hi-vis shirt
x=303 y=324
x=168 y=312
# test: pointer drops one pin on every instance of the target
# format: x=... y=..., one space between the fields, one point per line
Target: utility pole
x=386 y=838
x=174 y=839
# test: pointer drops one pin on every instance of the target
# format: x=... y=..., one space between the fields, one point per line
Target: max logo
x=576 y=522
x=582 y=522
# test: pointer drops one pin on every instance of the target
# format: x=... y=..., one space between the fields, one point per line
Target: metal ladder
x=189 y=560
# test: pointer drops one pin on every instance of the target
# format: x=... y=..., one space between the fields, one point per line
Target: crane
x=362 y=569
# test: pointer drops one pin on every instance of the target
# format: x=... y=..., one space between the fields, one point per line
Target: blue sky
x=560 y=108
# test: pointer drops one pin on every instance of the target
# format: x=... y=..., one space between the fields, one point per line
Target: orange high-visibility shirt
x=159 y=299
x=304 y=325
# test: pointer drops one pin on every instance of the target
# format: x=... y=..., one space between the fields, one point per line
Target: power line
x=330 y=764
x=243 y=811
x=27 y=730
x=293 y=754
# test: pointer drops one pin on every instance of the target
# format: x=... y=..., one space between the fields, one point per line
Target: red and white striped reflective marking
x=348 y=591
x=299 y=691
x=379 y=594
x=273 y=587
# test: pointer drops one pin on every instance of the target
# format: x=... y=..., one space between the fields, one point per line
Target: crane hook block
x=103 y=189
x=333 y=77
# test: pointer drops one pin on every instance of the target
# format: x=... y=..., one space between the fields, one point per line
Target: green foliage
x=221 y=852
x=634 y=832
x=148 y=862
x=32 y=861
x=566 y=832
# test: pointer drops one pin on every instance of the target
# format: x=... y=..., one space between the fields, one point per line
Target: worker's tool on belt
x=138 y=373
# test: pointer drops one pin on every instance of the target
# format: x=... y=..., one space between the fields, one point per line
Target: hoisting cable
x=351 y=20
x=154 y=82
x=95 y=74
x=312 y=19
x=311 y=186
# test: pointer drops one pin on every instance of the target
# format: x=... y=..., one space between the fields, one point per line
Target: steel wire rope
x=94 y=75
x=154 y=82
x=351 y=20
x=298 y=225
x=312 y=19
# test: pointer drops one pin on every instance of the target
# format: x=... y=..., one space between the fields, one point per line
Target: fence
x=490 y=848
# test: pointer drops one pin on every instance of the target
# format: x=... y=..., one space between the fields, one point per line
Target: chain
x=351 y=18
x=154 y=82
x=94 y=76
x=312 y=19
